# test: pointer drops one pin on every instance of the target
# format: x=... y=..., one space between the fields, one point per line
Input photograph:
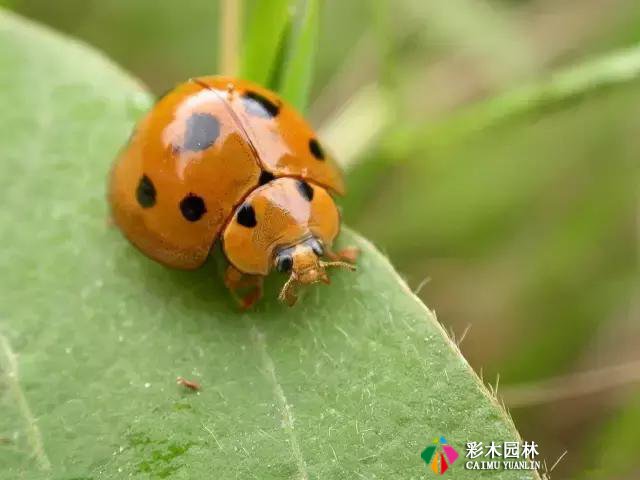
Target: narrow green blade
x=264 y=39
x=298 y=69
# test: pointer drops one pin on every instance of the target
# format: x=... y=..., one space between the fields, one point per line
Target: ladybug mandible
x=222 y=156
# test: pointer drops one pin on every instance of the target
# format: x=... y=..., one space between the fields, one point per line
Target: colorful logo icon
x=439 y=455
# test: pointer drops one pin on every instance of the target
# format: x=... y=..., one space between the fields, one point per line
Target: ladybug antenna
x=338 y=264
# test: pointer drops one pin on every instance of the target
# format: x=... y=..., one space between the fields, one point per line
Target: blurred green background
x=522 y=235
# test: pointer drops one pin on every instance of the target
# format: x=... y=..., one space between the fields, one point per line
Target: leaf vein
x=9 y=364
x=285 y=408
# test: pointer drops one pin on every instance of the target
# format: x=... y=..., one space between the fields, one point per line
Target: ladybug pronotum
x=222 y=157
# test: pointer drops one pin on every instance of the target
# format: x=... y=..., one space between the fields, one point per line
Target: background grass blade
x=298 y=69
x=264 y=39
x=557 y=92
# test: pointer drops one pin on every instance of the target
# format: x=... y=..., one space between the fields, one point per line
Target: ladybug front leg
x=235 y=280
x=348 y=254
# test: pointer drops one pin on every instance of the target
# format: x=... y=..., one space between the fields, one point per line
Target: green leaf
x=352 y=383
x=298 y=69
x=266 y=34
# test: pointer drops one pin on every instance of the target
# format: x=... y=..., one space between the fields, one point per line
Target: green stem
x=229 y=46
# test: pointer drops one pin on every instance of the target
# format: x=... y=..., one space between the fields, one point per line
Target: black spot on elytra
x=305 y=190
x=256 y=104
x=146 y=192
x=202 y=130
x=315 y=149
x=192 y=207
x=246 y=216
x=265 y=177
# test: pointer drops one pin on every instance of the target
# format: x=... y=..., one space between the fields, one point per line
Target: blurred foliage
x=162 y=42
x=545 y=189
x=527 y=230
x=607 y=453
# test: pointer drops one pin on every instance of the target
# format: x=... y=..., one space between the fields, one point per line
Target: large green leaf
x=352 y=383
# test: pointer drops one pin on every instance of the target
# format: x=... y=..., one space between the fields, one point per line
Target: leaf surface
x=352 y=383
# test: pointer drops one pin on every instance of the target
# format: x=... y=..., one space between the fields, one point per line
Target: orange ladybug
x=222 y=156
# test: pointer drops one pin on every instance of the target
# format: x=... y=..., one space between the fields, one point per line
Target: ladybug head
x=304 y=262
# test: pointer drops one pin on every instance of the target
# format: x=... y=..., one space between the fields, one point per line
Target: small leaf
x=354 y=382
x=266 y=34
x=298 y=69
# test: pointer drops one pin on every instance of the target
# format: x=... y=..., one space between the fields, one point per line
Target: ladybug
x=222 y=157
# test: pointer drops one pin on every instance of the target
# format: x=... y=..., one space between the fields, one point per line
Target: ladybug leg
x=235 y=280
x=348 y=254
x=255 y=294
x=288 y=293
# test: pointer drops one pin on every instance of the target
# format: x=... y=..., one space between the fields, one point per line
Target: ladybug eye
x=317 y=247
x=284 y=263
